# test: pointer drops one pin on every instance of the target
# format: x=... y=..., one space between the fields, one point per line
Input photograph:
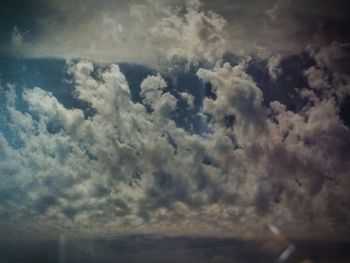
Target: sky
x=177 y=118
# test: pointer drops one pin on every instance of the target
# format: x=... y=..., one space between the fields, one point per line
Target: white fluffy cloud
x=238 y=96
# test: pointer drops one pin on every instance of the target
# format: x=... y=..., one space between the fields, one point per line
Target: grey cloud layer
x=113 y=31
x=187 y=31
x=130 y=169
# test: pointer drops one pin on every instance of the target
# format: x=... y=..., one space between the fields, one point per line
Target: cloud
x=273 y=66
x=175 y=31
x=238 y=96
x=277 y=8
x=181 y=31
x=128 y=168
x=193 y=35
x=188 y=98
x=330 y=75
x=16 y=38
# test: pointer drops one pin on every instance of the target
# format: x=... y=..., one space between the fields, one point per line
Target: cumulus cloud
x=193 y=35
x=128 y=168
x=330 y=75
x=237 y=96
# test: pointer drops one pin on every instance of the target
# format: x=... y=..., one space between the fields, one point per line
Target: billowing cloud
x=128 y=168
x=330 y=75
x=195 y=36
x=234 y=119
x=237 y=98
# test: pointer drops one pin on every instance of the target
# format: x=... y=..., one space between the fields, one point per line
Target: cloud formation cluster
x=128 y=168
x=121 y=165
